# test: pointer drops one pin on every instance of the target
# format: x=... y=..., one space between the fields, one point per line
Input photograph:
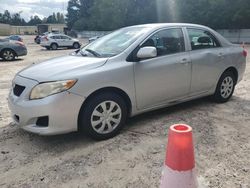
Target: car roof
x=57 y=34
x=160 y=25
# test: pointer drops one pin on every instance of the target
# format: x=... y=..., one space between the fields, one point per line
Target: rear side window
x=168 y=41
x=65 y=37
x=202 y=39
x=55 y=37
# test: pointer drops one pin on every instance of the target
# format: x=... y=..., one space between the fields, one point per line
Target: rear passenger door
x=206 y=54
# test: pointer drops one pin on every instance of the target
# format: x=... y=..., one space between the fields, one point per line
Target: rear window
x=202 y=39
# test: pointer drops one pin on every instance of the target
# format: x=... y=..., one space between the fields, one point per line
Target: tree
x=16 y=19
x=6 y=18
x=34 y=20
x=52 y=18
x=60 y=17
x=73 y=12
x=112 y=14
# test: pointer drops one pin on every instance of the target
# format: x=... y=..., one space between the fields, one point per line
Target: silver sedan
x=125 y=73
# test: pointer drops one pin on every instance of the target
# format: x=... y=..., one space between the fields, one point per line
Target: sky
x=28 y=8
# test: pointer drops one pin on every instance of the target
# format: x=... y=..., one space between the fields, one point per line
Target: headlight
x=50 y=88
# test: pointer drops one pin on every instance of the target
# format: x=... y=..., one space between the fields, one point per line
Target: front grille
x=17 y=90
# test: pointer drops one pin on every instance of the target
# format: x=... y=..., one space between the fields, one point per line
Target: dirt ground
x=134 y=158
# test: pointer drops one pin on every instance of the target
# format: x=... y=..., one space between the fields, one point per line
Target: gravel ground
x=134 y=158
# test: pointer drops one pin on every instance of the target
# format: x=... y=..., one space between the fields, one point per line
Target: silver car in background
x=125 y=73
x=10 y=49
x=54 y=41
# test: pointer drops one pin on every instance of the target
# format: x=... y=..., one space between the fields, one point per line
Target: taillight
x=20 y=43
x=244 y=52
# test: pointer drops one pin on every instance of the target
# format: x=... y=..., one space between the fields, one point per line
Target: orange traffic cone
x=179 y=167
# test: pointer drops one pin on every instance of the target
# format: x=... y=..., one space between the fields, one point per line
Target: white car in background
x=54 y=41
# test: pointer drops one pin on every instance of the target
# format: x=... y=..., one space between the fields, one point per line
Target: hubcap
x=8 y=55
x=106 y=117
x=54 y=46
x=226 y=87
x=75 y=45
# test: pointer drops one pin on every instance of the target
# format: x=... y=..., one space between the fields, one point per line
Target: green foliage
x=16 y=19
x=34 y=20
x=73 y=12
x=113 y=14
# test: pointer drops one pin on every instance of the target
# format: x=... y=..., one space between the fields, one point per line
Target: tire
x=225 y=87
x=38 y=41
x=76 y=45
x=54 y=46
x=8 y=55
x=98 y=123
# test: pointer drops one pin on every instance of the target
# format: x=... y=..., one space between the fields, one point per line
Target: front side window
x=168 y=41
x=201 y=39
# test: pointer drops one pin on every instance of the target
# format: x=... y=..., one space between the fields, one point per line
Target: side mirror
x=75 y=52
x=147 y=52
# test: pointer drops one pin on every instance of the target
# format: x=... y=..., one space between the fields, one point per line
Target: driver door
x=166 y=77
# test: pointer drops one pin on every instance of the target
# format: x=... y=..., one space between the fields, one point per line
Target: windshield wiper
x=93 y=52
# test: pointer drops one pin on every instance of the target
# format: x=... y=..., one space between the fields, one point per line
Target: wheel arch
x=76 y=42
x=116 y=90
x=53 y=43
x=2 y=50
x=234 y=71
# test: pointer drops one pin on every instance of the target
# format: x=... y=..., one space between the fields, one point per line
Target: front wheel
x=103 y=116
x=76 y=45
x=225 y=87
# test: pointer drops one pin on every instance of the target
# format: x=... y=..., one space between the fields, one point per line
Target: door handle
x=220 y=55
x=184 y=61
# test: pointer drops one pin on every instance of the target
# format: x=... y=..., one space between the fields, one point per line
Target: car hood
x=66 y=67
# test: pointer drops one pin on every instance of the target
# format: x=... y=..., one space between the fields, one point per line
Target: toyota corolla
x=130 y=71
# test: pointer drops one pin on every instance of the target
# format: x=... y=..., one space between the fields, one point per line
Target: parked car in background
x=54 y=41
x=125 y=73
x=37 y=39
x=15 y=37
x=10 y=49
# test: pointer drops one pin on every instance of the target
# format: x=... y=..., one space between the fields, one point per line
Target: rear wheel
x=8 y=55
x=53 y=46
x=103 y=116
x=37 y=40
x=225 y=87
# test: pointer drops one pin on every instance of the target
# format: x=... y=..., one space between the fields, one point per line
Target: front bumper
x=45 y=44
x=62 y=110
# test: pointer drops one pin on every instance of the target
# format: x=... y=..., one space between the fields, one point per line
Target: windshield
x=113 y=43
